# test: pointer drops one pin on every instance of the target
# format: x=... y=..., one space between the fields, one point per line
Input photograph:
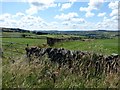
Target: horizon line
x=66 y=30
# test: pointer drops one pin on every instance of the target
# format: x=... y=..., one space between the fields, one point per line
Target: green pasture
x=15 y=47
x=29 y=41
x=103 y=46
x=22 y=74
x=15 y=34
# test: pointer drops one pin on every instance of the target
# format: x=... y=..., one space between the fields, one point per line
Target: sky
x=59 y=15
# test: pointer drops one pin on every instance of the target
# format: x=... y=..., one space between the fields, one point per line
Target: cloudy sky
x=56 y=15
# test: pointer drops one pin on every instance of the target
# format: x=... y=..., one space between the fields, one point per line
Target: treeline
x=14 y=30
x=22 y=31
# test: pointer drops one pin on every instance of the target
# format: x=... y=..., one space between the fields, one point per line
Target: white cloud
x=66 y=16
x=19 y=14
x=114 y=12
x=72 y=1
x=25 y=22
x=30 y=22
x=95 y=4
x=78 y=20
x=92 y=5
x=41 y=2
x=89 y=14
x=36 y=5
x=70 y=21
x=113 y=22
x=6 y=16
x=59 y=4
x=66 y=6
x=1 y=19
x=51 y=26
x=32 y=10
x=108 y=23
x=114 y=18
x=114 y=7
x=65 y=23
x=101 y=14
x=6 y=20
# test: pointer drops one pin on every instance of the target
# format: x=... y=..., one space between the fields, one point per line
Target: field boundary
x=11 y=48
x=101 y=63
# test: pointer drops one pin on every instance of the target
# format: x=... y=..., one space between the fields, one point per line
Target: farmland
x=18 y=72
x=102 y=46
x=25 y=41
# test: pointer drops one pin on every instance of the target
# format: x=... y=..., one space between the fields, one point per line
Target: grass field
x=103 y=46
x=22 y=74
x=15 y=47
x=26 y=41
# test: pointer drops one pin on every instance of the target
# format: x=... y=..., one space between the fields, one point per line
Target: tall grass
x=42 y=73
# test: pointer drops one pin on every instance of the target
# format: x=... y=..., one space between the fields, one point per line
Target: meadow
x=15 y=47
x=26 y=41
x=101 y=46
x=18 y=72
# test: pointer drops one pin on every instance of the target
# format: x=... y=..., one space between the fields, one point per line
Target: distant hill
x=22 y=31
x=89 y=33
x=13 y=30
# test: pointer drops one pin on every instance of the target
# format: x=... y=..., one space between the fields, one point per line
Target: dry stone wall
x=85 y=61
x=52 y=41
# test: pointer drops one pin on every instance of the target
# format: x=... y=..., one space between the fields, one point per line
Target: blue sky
x=52 y=15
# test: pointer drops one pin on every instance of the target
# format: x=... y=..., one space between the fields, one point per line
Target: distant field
x=25 y=41
x=15 y=34
x=31 y=35
x=103 y=46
